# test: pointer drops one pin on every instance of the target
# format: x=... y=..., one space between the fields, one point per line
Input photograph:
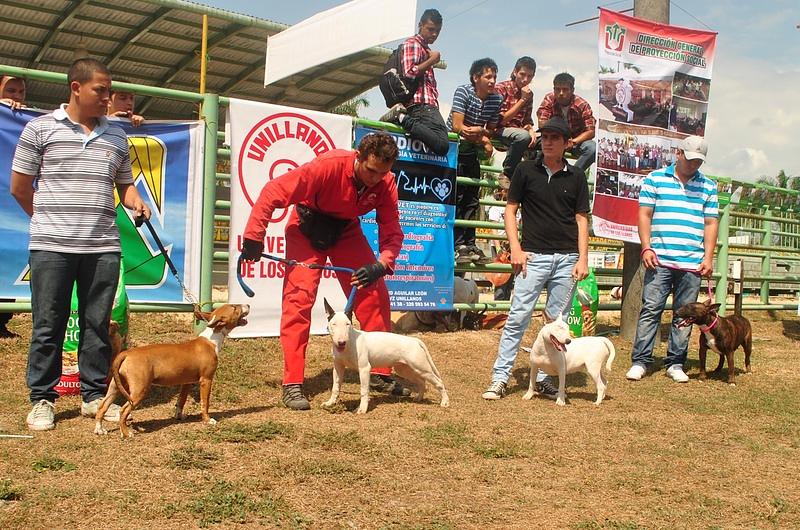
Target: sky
x=752 y=118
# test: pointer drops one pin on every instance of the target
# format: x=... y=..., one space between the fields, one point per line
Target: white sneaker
x=636 y=372
x=90 y=410
x=677 y=374
x=42 y=416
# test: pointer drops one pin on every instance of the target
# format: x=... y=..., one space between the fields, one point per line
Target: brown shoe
x=294 y=399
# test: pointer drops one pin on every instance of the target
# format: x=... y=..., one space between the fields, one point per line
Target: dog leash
x=294 y=263
x=138 y=221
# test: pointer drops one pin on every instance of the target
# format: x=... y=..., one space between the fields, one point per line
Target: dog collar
x=706 y=329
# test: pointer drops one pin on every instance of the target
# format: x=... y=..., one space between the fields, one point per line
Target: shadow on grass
x=155 y=425
x=791 y=329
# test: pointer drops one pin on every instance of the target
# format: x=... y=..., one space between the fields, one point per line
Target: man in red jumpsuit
x=330 y=192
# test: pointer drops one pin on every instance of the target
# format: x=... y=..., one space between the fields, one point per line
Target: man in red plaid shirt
x=515 y=113
x=563 y=102
x=421 y=119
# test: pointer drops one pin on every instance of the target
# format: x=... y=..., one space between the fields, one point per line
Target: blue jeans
x=544 y=271
x=586 y=153
x=517 y=140
x=52 y=277
x=658 y=284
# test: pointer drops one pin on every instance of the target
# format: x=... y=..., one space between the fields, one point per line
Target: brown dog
x=721 y=334
x=135 y=370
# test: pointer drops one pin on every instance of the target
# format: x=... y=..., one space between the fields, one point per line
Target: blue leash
x=291 y=263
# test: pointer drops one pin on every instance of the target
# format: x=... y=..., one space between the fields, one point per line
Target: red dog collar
x=710 y=327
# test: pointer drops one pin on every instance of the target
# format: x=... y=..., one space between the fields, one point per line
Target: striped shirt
x=476 y=111
x=679 y=214
x=416 y=51
x=73 y=205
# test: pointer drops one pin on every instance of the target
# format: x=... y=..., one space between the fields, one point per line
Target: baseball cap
x=694 y=147
x=556 y=124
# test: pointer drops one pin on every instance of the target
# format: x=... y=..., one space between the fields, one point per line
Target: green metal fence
x=763 y=227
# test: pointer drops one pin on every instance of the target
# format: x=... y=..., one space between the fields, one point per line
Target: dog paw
x=731 y=384
x=100 y=430
x=211 y=421
x=528 y=395
x=361 y=410
x=180 y=416
x=560 y=402
x=329 y=403
x=444 y=403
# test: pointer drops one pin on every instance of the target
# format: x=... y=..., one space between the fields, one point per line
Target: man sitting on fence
x=421 y=118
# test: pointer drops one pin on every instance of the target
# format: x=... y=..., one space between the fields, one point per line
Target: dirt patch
x=655 y=454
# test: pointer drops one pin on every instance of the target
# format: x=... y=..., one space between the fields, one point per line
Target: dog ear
x=714 y=307
x=328 y=309
x=349 y=315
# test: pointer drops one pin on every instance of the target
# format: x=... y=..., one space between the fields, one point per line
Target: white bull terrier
x=363 y=350
x=557 y=354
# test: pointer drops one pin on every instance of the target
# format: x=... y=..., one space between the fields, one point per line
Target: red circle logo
x=276 y=145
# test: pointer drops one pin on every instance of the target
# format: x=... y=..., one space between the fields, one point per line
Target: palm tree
x=351 y=106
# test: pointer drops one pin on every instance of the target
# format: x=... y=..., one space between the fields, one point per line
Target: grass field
x=655 y=454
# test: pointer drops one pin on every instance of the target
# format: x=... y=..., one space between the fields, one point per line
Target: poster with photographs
x=654 y=88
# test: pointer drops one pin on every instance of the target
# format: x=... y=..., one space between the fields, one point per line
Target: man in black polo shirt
x=554 y=253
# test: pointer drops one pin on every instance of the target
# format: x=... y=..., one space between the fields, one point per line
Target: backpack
x=395 y=87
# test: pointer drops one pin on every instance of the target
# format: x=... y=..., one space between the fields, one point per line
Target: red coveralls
x=327 y=184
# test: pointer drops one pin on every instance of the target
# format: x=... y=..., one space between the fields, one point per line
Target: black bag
x=323 y=231
x=396 y=87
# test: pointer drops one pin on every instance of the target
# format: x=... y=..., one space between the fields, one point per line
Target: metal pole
x=632 y=278
x=766 y=261
x=209 y=113
x=203 y=55
x=721 y=291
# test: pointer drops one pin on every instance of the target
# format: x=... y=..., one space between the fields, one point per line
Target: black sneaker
x=547 y=389
x=481 y=259
x=394 y=114
x=294 y=399
x=388 y=385
x=465 y=255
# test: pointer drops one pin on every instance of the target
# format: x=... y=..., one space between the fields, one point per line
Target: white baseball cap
x=694 y=147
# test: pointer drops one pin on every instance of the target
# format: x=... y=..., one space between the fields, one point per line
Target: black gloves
x=252 y=250
x=366 y=275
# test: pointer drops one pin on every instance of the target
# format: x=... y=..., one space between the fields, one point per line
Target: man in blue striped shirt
x=475 y=116
x=678 y=229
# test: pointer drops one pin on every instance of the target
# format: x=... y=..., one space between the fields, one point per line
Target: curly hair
x=379 y=144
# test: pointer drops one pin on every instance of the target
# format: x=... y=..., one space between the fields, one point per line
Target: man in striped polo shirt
x=63 y=175
x=474 y=116
x=678 y=229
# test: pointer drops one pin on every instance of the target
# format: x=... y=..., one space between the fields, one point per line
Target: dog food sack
x=582 y=317
x=70 y=381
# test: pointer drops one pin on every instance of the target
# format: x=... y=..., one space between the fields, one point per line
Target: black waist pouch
x=323 y=231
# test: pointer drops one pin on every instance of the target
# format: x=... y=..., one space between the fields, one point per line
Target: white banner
x=337 y=32
x=266 y=142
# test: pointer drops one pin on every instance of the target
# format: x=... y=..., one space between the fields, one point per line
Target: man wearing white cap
x=678 y=230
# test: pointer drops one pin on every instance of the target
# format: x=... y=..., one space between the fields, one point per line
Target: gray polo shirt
x=73 y=205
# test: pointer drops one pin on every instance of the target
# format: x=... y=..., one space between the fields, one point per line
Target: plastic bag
x=582 y=319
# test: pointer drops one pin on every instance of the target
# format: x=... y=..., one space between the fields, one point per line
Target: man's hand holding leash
x=252 y=250
x=368 y=274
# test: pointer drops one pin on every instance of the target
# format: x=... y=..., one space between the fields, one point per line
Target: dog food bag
x=70 y=381
x=582 y=317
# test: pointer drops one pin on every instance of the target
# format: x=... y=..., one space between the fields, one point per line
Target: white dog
x=557 y=354
x=363 y=350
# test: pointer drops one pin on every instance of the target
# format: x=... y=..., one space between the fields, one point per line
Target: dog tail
x=430 y=359
x=115 y=364
x=611 y=353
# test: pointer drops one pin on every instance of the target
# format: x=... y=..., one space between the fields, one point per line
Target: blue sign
x=426 y=183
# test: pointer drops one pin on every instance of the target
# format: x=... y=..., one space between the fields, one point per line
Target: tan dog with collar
x=137 y=369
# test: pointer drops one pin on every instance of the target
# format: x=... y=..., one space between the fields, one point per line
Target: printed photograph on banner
x=691 y=87
x=688 y=116
x=629 y=186
x=634 y=149
x=629 y=95
x=607 y=182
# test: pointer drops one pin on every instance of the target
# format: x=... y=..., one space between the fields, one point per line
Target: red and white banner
x=654 y=85
x=266 y=142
